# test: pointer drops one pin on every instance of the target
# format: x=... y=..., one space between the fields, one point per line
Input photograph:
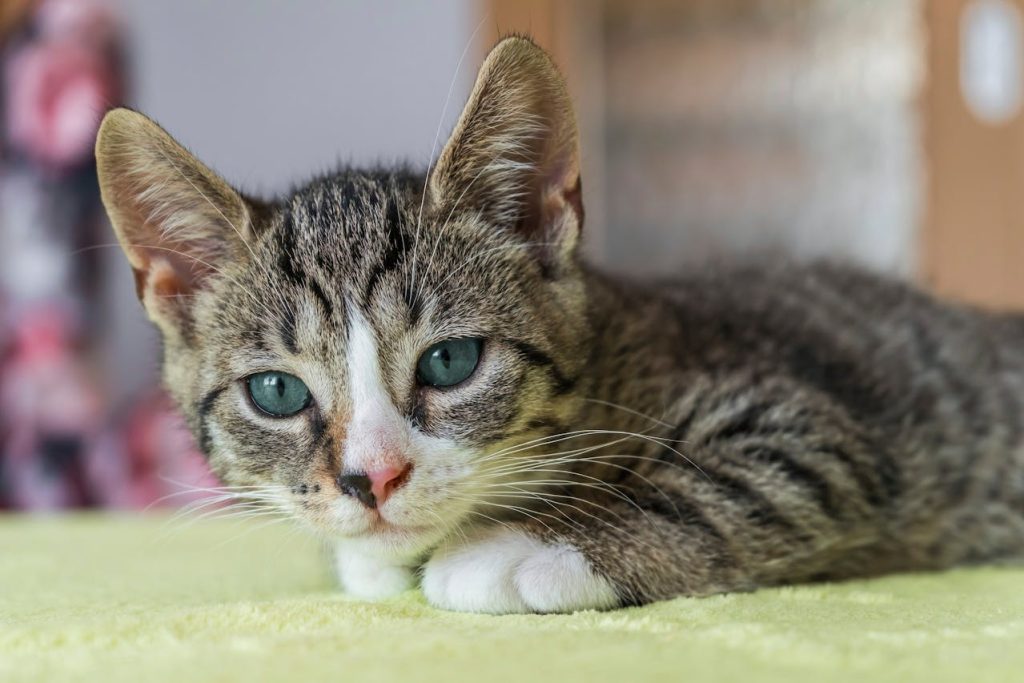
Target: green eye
x=449 y=362
x=278 y=393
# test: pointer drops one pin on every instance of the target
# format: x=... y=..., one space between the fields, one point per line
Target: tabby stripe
x=930 y=350
x=868 y=485
x=547 y=425
x=833 y=374
x=318 y=426
x=534 y=355
x=1011 y=416
x=761 y=507
x=286 y=261
x=203 y=410
x=256 y=334
x=396 y=251
x=333 y=466
x=795 y=471
x=888 y=473
x=292 y=270
x=746 y=422
x=682 y=428
x=321 y=296
x=287 y=330
x=690 y=514
x=418 y=415
x=1002 y=471
x=412 y=301
x=394 y=216
x=371 y=284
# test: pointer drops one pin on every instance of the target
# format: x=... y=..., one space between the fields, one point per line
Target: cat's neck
x=635 y=352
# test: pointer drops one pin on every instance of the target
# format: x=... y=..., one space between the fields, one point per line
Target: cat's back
x=893 y=356
x=931 y=393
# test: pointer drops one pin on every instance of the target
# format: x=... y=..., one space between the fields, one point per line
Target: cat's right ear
x=178 y=223
x=513 y=157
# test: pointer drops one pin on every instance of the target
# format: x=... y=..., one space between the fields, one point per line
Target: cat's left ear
x=514 y=157
x=180 y=225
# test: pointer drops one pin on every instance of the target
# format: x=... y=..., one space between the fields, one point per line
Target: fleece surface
x=136 y=599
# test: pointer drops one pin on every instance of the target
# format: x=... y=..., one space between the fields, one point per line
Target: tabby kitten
x=424 y=370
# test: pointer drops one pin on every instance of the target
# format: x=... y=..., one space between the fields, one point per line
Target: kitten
x=425 y=371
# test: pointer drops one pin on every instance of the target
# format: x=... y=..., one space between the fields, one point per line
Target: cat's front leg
x=368 y=576
x=755 y=513
x=510 y=569
x=623 y=553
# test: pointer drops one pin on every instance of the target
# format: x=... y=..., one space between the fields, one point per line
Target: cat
x=424 y=370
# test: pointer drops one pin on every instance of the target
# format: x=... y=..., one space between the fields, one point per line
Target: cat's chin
x=391 y=542
x=386 y=529
x=379 y=536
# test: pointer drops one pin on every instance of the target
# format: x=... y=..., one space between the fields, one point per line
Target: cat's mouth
x=380 y=525
x=372 y=523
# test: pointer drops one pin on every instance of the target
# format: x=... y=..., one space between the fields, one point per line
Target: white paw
x=370 y=578
x=508 y=571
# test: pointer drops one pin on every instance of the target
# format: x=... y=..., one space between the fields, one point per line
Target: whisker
x=629 y=470
x=623 y=408
x=547 y=498
x=411 y=287
x=522 y=510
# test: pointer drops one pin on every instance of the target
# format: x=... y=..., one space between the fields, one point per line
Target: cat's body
x=457 y=392
x=833 y=423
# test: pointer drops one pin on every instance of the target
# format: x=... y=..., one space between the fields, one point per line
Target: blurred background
x=887 y=132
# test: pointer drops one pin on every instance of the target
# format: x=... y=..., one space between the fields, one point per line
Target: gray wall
x=268 y=93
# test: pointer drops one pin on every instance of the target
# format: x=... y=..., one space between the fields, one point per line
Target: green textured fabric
x=138 y=599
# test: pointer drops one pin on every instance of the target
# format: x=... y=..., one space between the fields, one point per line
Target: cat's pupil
x=449 y=362
x=278 y=394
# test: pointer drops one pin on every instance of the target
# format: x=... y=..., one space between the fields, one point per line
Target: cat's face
x=367 y=352
x=340 y=324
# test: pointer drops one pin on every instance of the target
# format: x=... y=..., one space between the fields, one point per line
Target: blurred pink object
x=57 y=451
x=87 y=21
x=57 y=94
x=49 y=410
x=153 y=462
x=59 y=86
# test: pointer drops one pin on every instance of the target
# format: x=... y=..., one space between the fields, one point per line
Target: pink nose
x=386 y=480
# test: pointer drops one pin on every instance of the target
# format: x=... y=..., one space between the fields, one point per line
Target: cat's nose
x=376 y=486
x=386 y=480
x=358 y=486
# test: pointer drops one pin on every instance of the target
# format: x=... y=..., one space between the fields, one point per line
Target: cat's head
x=364 y=350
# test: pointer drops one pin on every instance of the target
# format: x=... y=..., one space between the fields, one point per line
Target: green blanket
x=140 y=599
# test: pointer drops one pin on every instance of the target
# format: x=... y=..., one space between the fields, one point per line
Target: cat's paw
x=370 y=578
x=509 y=571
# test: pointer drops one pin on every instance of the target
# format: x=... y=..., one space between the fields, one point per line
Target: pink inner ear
x=561 y=201
x=166 y=286
x=167 y=280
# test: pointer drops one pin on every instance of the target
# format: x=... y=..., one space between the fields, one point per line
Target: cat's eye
x=278 y=394
x=450 y=362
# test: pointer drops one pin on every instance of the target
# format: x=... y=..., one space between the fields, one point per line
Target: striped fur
x=621 y=441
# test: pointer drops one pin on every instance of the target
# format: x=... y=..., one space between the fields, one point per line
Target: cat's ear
x=514 y=157
x=178 y=223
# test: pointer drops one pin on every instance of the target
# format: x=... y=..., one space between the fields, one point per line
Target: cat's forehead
x=364 y=231
x=347 y=213
x=341 y=235
x=366 y=243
